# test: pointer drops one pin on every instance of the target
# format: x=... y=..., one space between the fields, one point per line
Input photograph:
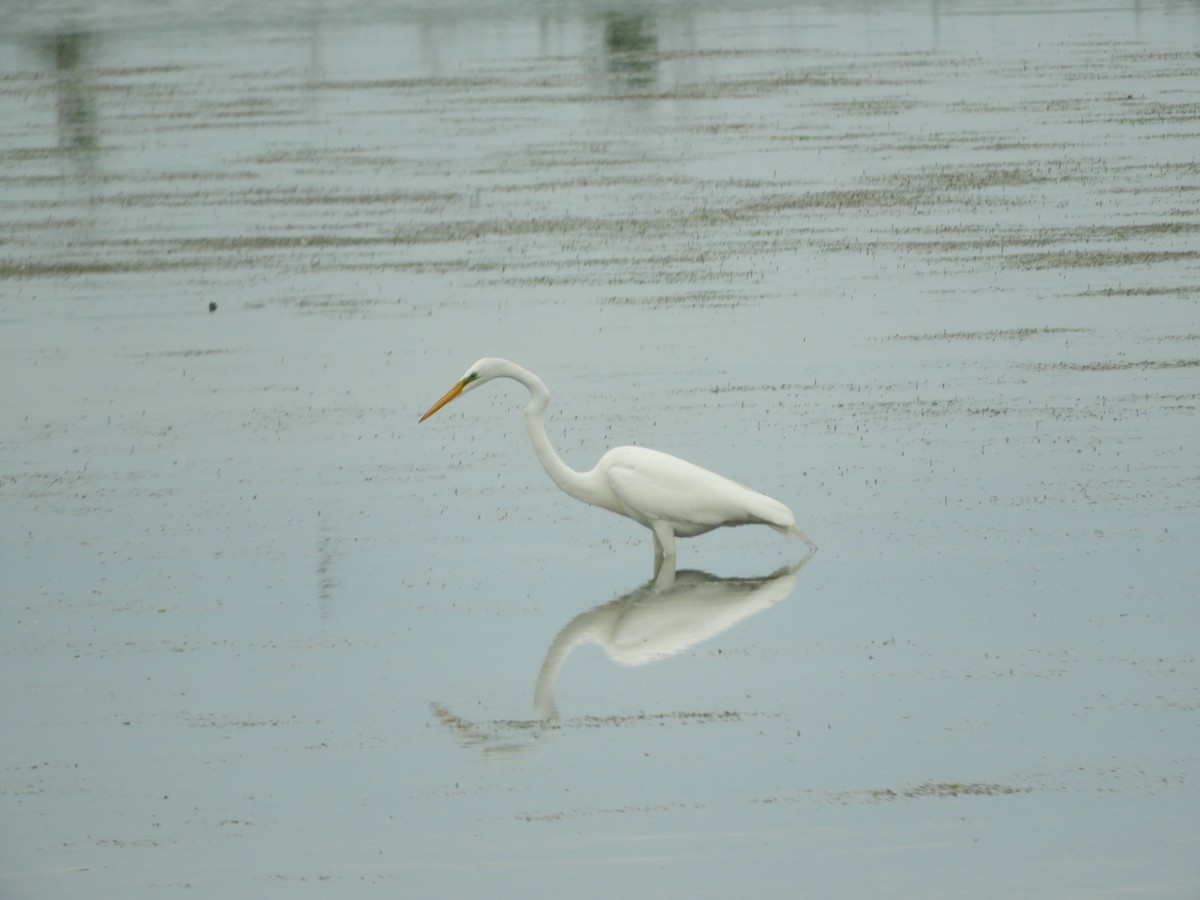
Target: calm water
x=925 y=272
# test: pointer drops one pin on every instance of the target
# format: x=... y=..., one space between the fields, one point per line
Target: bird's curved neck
x=574 y=483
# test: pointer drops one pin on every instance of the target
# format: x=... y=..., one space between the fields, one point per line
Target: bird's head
x=484 y=370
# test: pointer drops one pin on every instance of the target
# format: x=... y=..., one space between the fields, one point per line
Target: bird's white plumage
x=653 y=486
x=670 y=496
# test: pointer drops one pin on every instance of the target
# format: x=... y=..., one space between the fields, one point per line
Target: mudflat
x=927 y=273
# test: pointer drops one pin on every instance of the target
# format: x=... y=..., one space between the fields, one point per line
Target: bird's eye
x=470 y=378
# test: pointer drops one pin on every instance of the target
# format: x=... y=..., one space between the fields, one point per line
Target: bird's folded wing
x=686 y=499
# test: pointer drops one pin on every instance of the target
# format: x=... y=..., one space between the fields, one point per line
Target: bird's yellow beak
x=450 y=395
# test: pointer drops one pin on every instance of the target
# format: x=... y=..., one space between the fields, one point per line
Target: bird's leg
x=800 y=565
x=664 y=546
x=664 y=578
x=804 y=537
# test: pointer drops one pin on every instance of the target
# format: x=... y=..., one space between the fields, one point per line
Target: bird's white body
x=651 y=487
x=670 y=496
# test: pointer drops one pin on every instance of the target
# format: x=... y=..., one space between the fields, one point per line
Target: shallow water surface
x=925 y=272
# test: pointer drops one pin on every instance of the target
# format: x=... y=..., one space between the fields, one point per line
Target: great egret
x=671 y=497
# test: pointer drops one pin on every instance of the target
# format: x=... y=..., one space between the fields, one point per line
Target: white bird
x=670 y=496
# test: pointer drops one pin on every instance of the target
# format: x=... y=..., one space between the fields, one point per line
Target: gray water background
x=926 y=272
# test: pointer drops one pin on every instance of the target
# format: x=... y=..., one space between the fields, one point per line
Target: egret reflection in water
x=663 y=617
